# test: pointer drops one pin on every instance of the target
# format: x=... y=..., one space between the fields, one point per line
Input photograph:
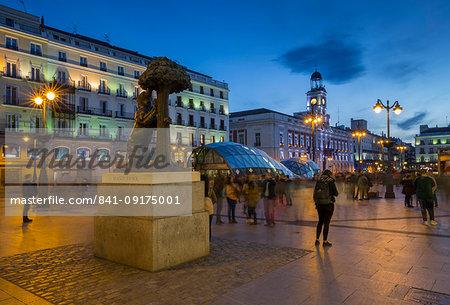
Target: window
x=12 y=121
x=61 y=77
x=222 y=125
x=221 y=110
x=281 y=138
x=179 y=119
x=290 y=139
x=62 y=56
x=422 y=142
x=202 y=122
x=241 y=139
x=11 y=97
x=122 y=109
x=296 y=140
x=84 y=84
x=103 y=87
x=422 y=150
x=11 y=69
x=257 y=139
x=179 y=102
x=211 y=91
x=35 y=74
x=202 y=139
x=222 y=139
x=9 y=22
x=201 y=90
x=104 y=106
x=83 y=61
x=11 y=151
x=83 y=153
x=11 y=43
x=221 y=94
x=103 y=131
x=213 y=139
x=191 y=120
x=103 y=66
x=191 y=103
x=35 y=122
x=211 y=108
x=213 y=123
x=431 y=151
x=120 y=70
x=35 y=49
x=191 y=139
x=202 y=105
x=84 y=104
x=83 y=129
x=136 y=74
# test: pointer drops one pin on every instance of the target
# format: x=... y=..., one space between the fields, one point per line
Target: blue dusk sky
x=267 y=50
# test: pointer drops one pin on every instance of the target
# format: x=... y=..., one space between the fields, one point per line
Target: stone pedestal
x=154 y=242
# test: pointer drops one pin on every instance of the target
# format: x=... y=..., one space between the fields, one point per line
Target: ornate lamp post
x=401 y=148
x=379 y=106
x=359 y=134
x=313 y=119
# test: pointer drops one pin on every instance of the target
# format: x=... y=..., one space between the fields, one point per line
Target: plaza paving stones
x=71 y=274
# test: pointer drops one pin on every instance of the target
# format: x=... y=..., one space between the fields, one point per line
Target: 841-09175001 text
x=142 y=199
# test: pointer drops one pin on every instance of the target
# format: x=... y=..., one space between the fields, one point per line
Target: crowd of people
x=277 y=191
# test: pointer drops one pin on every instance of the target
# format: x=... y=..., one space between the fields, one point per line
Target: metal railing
x=124 y=115
x=83 y=85
x=103 y=90
x=121 y=93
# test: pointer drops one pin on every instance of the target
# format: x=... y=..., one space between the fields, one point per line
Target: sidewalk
x=381 y=254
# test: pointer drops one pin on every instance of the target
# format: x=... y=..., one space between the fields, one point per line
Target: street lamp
x=379 y=106
x=401 y=148
x=359 y=134
x=42 y=99
x=314 y=120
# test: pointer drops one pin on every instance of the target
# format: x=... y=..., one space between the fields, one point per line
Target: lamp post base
x=389 y=195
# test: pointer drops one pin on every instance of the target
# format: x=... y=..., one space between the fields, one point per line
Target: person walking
x=268 y=195
x=219 y=189
x=363 y=187
x=325 y=192
x=232 y=193
x=408 y=189
x=29 y=190
x=424 y=191
x=251 y=194
x=288 y=190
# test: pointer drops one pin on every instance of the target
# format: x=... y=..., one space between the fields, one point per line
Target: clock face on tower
x=323 y=101
x=313 y=101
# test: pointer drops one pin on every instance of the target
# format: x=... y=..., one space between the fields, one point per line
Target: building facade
x=429 y=141
x=284 y=136
x=97 y=86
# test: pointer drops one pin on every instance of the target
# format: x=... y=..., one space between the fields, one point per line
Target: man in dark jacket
x=268 y=194
x=324 y=193
x=424 y=191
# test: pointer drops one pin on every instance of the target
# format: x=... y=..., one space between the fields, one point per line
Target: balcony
x=212 y=126
x=37 y=53
x=63 y=59
x=257 y=144
x=83 y=64
x=15 y=101
x=94 y=111
x=223 y=128
x=83 y=85
x=203 y=125
x=221 y=112
x=179 y=122
x=121 y=93
x=212 y=110
x=179 y=104
x=36 y=77
x=192 y=124
x=191 y=107
x=12 y=72
x=64 y=82
x=124 y=115
x=103 y=90
x=202 y=108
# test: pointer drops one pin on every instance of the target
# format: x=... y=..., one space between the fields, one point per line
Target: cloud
x=412 y=122
x=402 y=71
x=338 y=58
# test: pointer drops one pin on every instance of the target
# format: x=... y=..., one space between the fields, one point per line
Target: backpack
x=322 y=193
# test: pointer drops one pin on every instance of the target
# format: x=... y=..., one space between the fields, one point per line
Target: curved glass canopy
x=236 y=158
x=301 y=167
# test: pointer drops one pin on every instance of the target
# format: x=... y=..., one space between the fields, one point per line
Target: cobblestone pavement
x=71 y=274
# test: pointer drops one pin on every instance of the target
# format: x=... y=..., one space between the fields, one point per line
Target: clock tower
x=316 y=98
